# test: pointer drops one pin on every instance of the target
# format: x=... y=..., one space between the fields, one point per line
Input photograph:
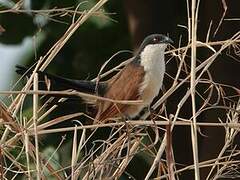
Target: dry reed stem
x=203 y=164
x=193 y=35
x=169 y=152
x=1 y=163
x=120 y=170
x=98 y=163
x=230 y=135
x=95 y=164
x=146 y=122
x=45 y=60
x=35 y=117
x=26 y=144
x=204 y=66
x=74 y=154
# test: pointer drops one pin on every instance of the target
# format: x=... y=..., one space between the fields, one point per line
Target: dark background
x=131 y=20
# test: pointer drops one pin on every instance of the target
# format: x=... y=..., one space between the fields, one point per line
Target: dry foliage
x=111 y=156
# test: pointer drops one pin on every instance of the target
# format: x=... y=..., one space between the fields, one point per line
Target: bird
x=141 y=79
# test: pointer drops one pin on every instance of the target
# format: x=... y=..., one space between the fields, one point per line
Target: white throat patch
x=152 y=59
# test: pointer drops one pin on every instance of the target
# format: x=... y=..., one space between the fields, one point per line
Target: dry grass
x=111 y=157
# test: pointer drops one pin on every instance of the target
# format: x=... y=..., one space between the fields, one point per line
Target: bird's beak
x=168 y=40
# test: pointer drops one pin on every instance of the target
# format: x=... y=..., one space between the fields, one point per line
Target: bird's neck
x=152 y=58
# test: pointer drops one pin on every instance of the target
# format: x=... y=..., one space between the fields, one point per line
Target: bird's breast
x=150 y=87
x=154 y=67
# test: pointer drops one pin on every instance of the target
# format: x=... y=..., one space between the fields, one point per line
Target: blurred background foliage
x=88 y=48
x=119 y=25
x=81 y=58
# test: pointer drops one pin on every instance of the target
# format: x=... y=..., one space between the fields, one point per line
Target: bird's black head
x=154 y=39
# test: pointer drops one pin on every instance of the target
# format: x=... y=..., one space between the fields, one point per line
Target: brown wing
x=123 y=86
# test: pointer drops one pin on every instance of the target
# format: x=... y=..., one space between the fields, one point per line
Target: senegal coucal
x=141 y=79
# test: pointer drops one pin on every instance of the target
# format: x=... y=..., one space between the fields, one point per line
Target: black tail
x=60 y=83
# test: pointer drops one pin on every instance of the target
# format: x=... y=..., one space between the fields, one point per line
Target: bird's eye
x=156 y=40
